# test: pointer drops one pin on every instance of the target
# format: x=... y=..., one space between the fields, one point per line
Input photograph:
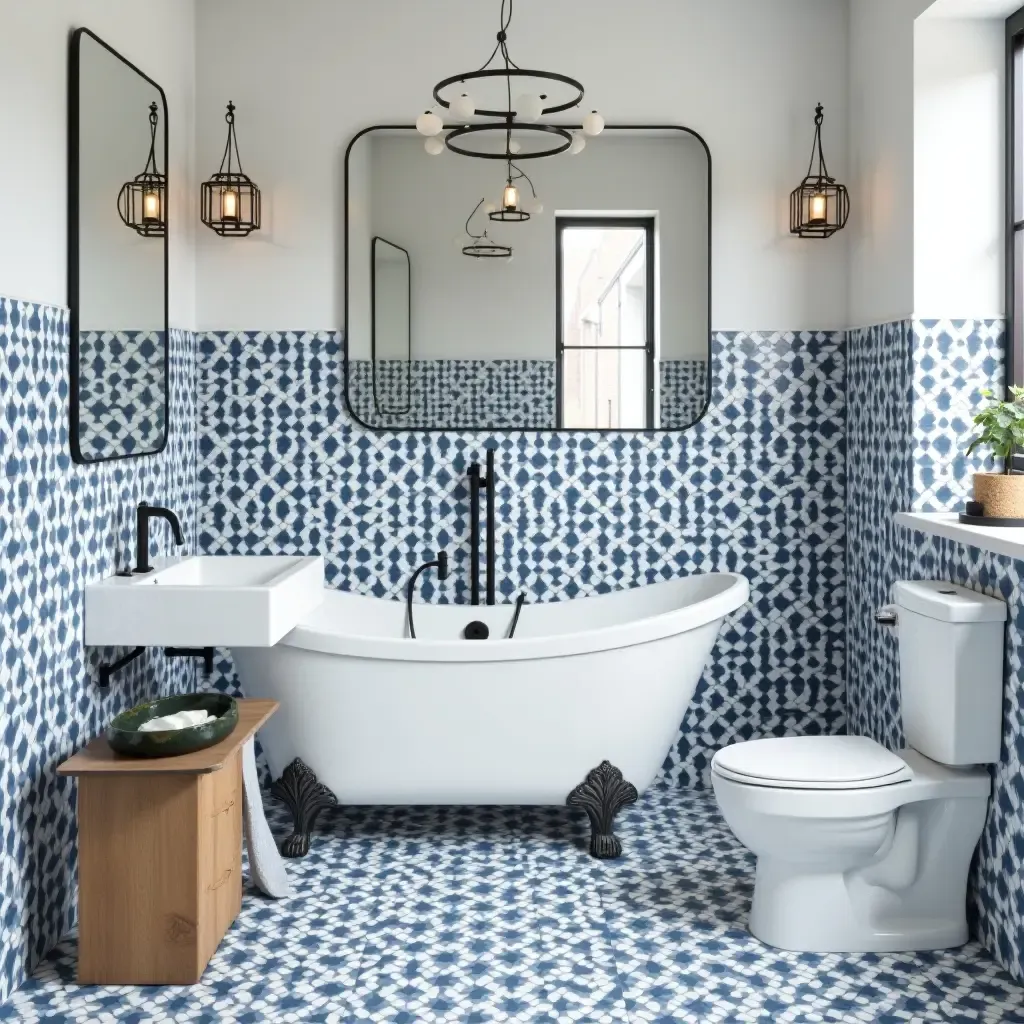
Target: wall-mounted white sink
x=205 y=601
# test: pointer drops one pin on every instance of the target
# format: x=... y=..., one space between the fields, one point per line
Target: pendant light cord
x=151 y=159
x=816 y=147
x=232 y=141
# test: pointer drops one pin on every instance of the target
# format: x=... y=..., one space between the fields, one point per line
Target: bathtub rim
x=713 y=608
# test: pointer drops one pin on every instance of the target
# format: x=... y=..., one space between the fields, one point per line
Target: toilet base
x=845 y=917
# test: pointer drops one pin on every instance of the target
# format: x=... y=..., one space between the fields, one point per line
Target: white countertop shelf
x=1007 y=540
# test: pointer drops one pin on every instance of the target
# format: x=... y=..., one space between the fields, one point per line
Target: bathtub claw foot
x=602 y=794
x=305 y=797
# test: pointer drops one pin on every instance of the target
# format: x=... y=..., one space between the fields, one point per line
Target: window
x=604 y=290
x=1015 y=198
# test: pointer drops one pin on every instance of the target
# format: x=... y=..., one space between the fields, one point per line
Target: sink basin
x=205 y=601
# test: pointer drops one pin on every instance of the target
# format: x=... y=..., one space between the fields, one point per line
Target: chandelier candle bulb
x=819 y=208
x=463 y=107
x=428 y=123
x=510 y=200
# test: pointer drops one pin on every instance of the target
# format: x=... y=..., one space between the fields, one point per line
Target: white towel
x=179 y=720
x=265 y=863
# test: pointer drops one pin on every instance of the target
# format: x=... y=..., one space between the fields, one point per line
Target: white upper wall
x=926 y=158
x=308 y=74
x=158 y=38
x=959 y=76
x=881 y=181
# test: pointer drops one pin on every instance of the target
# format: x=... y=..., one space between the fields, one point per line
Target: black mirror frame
x=499 y=429
x=74 y=205
x=373 y=327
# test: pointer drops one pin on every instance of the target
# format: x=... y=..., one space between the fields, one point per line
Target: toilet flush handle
x=886 y=615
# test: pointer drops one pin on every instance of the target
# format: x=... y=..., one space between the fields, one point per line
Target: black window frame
x=648 y=225
x=1014 y=200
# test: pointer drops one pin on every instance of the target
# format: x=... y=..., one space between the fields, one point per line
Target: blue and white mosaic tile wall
x=510 y=393
x=758 y=487
x=63 y=525
x=464 y=393
x=912 y=391
x=121 y=392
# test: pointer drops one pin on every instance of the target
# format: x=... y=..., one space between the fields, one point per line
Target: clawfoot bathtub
x=383 y=719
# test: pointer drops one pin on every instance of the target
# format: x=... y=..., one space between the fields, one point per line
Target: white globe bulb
x=529 y=108
x=578 y=144
x=428 y=123
x=593 y=123
x=434 y=146
x=514 y=146
x=463 y=107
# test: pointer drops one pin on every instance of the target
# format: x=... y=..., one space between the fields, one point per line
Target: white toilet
x=860 y=849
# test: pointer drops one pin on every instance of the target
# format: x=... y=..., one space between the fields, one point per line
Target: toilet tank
x=951 y=671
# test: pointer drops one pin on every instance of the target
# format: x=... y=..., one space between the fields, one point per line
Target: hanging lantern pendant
x=819 y=206
x=230 y=200
x=141 y=201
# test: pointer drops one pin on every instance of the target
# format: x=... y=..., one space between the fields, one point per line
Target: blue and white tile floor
x=497 y=914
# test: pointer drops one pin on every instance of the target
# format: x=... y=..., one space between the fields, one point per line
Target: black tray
x=988 y=521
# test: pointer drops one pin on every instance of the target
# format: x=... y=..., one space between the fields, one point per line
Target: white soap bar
x=180 y=720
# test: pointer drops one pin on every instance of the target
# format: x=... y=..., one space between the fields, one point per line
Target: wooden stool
x=159 y=857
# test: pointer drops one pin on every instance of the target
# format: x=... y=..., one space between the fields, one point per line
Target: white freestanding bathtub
x=383 y=719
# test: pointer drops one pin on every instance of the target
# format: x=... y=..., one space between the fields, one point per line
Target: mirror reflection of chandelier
x=488 y=93
x=480 y=246
x=514 y=208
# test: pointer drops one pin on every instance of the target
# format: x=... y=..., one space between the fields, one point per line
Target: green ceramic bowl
x=124 y=736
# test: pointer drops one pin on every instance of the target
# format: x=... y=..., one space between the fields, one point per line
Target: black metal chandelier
x=819 y=206
x=230 y=201
x=513 y=208
x=142 y=202
x=551 y=93
x=480 y=246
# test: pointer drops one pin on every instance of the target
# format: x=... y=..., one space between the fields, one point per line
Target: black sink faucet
x=144 y=513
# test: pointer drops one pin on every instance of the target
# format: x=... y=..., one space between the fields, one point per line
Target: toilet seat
x=812 y=763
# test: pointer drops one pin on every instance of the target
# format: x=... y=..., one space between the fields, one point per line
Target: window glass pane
x=604 y=389
x=604 y=305
x=1018 y=131
x=603 y=268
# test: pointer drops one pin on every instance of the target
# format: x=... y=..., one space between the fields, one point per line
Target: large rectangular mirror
x=587 y=307
x=117 y=255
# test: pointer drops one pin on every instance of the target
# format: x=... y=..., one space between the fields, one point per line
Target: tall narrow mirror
x=117 y=255
x=391 y=328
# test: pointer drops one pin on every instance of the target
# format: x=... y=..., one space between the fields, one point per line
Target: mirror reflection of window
x=606 y=343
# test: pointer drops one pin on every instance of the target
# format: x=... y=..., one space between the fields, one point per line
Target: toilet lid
x=812 y=762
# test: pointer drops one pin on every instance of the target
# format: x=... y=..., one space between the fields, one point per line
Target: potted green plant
x=1001 y=431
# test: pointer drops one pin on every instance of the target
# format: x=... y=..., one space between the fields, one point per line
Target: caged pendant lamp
x=230 y=200
x=819 y=206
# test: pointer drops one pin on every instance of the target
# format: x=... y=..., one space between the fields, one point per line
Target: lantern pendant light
x=142 y=202
x=819 y=206
x=230 y=200
x=512 y=208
